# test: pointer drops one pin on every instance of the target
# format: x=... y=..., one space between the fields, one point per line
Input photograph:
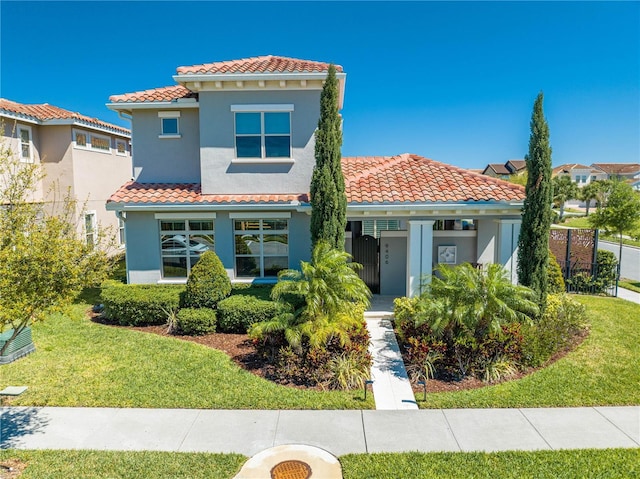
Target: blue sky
x=452 y=81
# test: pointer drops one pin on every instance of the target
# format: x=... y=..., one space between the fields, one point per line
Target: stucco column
x=507 y=246
x=419 y=254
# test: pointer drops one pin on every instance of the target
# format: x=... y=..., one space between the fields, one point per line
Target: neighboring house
x=224 y=161
x=619 y=171
x=580 y=174
x=506 y=170
x=85 y=156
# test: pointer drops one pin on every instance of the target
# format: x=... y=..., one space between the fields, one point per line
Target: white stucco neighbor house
x=223 y=160
x=85 y=156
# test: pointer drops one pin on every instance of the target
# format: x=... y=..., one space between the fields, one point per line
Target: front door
x=365 y=252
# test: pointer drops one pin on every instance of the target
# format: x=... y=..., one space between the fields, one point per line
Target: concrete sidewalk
x=338 y=432
x=629 y=295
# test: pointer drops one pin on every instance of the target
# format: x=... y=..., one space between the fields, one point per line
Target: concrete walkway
x=629 y=295
x=391 y=387
x=338 y=432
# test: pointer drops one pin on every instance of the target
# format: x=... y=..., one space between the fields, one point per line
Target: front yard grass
x=81 y=363
x=569 y=464
x=602 y=371
x=630 y=284
x=583 y=222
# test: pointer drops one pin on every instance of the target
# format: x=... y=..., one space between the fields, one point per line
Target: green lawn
x=629 y=284
x=81 y=363
x=602 y=371
x=592 y=464
x=583 y=222
x=569 y=464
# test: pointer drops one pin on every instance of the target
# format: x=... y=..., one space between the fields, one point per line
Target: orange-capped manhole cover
x=291 y=470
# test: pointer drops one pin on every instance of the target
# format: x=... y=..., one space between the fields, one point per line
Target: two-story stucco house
x=85 y=156
x=223 y=160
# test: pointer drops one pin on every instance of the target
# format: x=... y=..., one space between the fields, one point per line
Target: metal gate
x=365 y=252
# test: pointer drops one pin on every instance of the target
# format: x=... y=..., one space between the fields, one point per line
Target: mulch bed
x=240 y=349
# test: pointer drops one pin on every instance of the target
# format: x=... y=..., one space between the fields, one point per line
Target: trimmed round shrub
x=607 y=270
x=196 y=321
x=139 y=304
x=238 y=312
x=208 y=283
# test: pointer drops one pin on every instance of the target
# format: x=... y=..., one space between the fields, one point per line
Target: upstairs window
x=100 y=143
x=169 y=124
x=91 y=141
x=26 y=148
x=121 y=147
x=262 y=131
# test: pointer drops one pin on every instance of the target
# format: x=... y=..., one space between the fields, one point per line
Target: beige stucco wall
x=90 y=176
x=96 y=176
x=9 y=131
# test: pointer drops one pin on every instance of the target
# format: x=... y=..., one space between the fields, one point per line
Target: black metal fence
x=587 y=278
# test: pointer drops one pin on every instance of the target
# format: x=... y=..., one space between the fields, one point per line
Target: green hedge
x=139 y=304
x=196 y=321
x=238 y=312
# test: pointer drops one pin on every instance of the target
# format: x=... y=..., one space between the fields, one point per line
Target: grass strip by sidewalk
x=629 y=284
x=602 y=371
x=81 y=363
x=566 y=464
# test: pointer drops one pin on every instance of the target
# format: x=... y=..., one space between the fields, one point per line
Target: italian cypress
x=533 y=243
x=328 y=199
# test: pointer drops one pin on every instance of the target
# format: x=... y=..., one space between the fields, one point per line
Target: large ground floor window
x=182 y=242
x=261 y=247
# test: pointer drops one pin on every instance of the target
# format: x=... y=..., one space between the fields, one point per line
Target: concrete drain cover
x=291 y=470
x=292 y=461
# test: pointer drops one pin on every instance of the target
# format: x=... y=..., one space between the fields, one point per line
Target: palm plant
x=588 y=193
x=563 y=190
x=466 y=304
x=326 y=295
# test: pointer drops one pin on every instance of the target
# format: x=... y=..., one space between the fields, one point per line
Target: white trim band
x=263 y=107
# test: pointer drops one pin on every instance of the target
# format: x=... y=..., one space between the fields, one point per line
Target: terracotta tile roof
x=618 y=168
x=190 y=193
x=44 y=112
x=411 y=178
x=368 y=180
x=168 y=93
x=263 y=64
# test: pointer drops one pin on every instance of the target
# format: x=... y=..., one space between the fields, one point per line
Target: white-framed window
x=262 y=131
x=121 y=147
x=80 y=139
x=121 y=237
x=91 y=141
x=182 y=242
x=261 y=246
x=374 y=227
x=26 y=143
x=99 y=142
x=169 y=124
x=90 y=227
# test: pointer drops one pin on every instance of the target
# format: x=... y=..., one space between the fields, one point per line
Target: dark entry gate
x=365 y=251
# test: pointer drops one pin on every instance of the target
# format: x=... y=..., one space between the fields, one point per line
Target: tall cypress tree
x=533 y=243
x=328 y=199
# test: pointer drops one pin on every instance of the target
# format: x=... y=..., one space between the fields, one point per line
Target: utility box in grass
x=20 y=346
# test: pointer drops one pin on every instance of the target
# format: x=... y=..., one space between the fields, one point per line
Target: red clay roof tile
x=44 y=111
x=168 y=93
x=397 y=179
x=190 y=193
x=262 y=64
